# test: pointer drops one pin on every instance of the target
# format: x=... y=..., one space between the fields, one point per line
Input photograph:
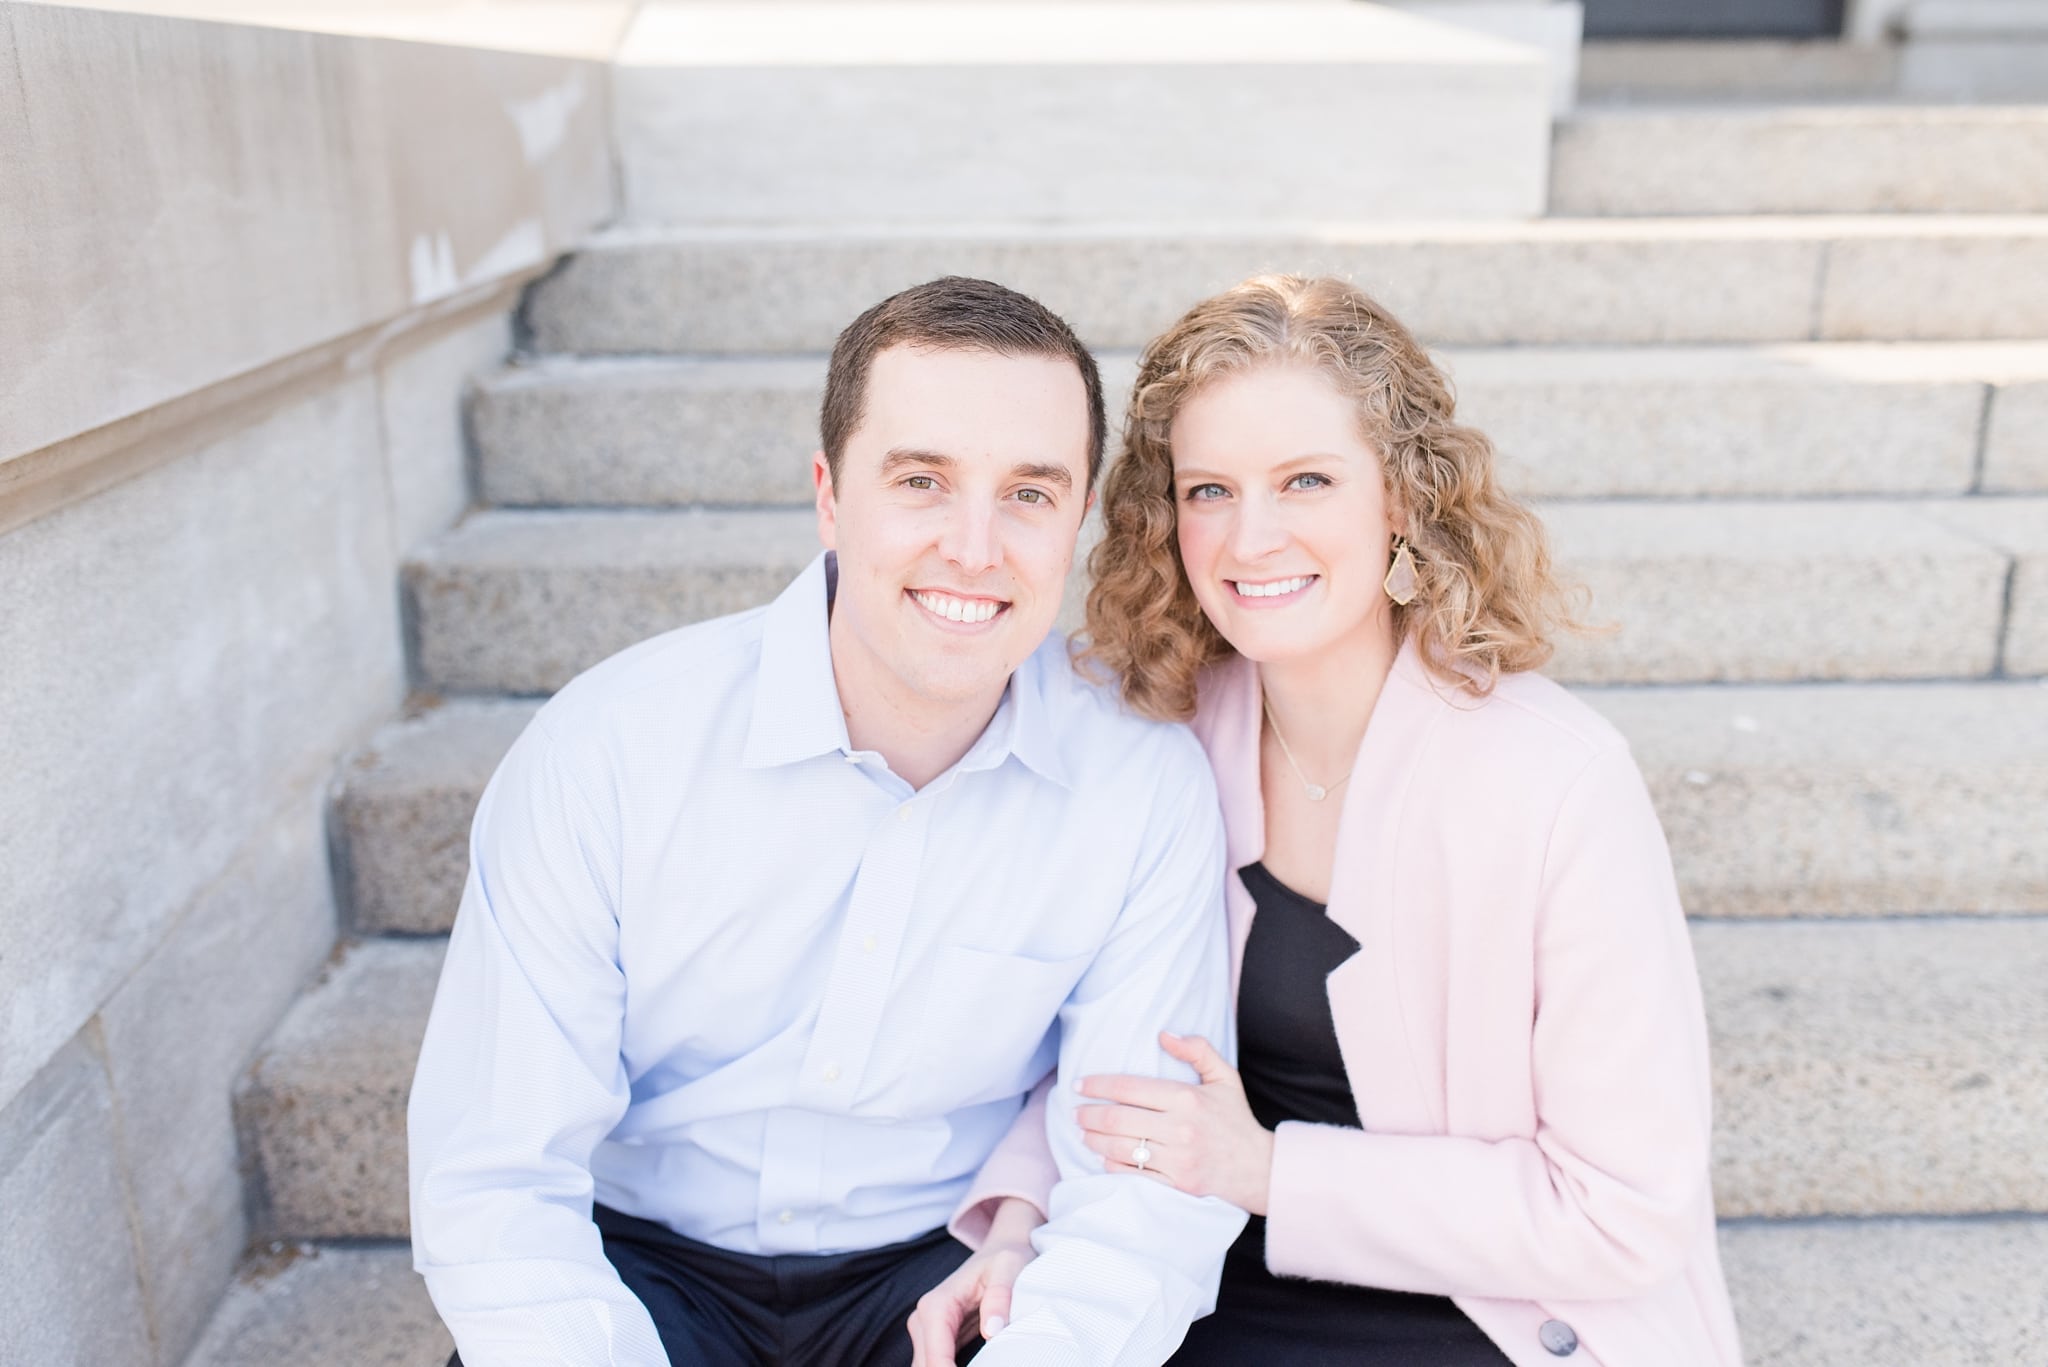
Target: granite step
x=2019 y=528
x=401 y=808
x=1807 y=1294
x=1568 y=422
x=1861 y=1067
x=333 y=1305
x=1887 y=1293
x=1801 y=159
x=1809 y=800
x=771 y=112
x=1935 y=1293
x=1738 y=591
x=1583 y=281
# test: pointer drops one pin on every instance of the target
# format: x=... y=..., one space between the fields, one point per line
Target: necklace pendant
x=1317 y=792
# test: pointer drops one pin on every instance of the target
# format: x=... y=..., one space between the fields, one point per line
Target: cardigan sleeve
x=1021 y=1166
x=1604 y=1199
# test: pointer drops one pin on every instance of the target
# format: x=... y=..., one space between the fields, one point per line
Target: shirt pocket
x=988 y=1026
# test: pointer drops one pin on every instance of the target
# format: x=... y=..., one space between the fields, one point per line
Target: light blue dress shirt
x=717 y=969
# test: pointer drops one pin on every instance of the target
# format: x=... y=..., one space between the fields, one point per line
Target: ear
x=1088 y=505
x=828 y=505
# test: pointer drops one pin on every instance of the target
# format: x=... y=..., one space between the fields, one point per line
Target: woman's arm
x=1607 y=1197
x=1021 y=1169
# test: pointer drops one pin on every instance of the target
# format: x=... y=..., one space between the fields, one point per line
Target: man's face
x=954 y=516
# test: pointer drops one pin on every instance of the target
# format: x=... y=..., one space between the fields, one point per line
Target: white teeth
x=1277 y=588
x=957 y=609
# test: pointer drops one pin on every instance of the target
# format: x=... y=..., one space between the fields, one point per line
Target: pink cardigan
x=1521 y=1026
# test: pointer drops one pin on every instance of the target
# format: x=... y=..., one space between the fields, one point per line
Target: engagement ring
x=1141 y=1155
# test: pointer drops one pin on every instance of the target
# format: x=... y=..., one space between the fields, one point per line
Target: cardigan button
x=1558 y=1337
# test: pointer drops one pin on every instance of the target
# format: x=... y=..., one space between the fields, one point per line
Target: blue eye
x=1205 y=493
x=1309 y=481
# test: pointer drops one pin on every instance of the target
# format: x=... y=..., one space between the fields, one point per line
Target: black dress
x=1292 y=1070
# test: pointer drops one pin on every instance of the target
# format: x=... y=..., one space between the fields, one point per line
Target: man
x=773 y=922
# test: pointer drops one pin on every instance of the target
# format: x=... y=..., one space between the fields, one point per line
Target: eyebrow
x=902 y=456
x=1312 y=458
x=1045 y=474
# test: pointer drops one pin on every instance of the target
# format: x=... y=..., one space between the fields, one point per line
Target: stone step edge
x=400 y=806
x=1992 y=362
x=631 y=235
x=1856 y=419
x=1822 y=1315
x=2002 y=538
x=1731 y=278
x=324 y=1303
x=1863 y=158
x=328 y=1088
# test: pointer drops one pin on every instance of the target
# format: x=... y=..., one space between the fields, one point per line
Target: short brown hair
x=1487 y=599
x=952 y=313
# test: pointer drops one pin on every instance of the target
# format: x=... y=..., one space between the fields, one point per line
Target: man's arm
x=1126 y=1264
x=520 y=1078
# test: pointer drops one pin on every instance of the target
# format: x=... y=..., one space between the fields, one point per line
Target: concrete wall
x=188 y=201
x=186 y=655
x=246 y=275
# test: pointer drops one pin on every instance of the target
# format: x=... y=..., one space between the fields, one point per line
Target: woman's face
x=1283 y=517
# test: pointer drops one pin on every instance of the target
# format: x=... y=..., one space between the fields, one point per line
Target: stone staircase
x=1789 y=421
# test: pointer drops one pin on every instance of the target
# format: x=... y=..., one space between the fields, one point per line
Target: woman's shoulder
x=1536 y=704
x=1526 y=728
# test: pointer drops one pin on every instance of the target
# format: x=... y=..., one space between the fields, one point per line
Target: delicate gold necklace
x=1316 y=791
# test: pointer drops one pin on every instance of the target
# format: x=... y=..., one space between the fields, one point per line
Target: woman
x=1472 y=1119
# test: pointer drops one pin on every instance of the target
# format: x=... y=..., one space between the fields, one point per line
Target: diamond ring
x=1141 y=1155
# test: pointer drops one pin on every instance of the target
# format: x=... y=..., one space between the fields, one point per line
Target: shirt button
x=852 y=758
x=867 y=944
x=831 y=1072
x=903 y=812
x=1560 y=1338
x=785 y=1217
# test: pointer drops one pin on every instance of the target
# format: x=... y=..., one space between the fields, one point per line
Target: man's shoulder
x=666 y=677
x=1099 y=734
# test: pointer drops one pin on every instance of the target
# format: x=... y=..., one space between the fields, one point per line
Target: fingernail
x=993 y=1325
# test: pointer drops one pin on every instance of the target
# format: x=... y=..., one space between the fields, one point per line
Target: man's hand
x=975 y=1300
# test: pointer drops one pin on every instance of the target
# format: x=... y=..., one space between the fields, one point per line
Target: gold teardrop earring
x=1402 y=580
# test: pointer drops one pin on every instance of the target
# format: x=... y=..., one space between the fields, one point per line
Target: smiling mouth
x=948 y=607
x=1272 y=588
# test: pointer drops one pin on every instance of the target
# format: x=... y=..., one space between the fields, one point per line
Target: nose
x=970 y=541
x=1257 y=532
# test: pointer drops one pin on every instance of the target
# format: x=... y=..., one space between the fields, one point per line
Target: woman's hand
x=945 y=1320
x=1204 y=1140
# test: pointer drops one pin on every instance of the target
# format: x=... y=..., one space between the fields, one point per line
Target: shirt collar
x=796 y=702
x=1027 y=732
x=798 y=716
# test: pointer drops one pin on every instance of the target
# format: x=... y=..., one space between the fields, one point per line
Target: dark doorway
x=1713 y=18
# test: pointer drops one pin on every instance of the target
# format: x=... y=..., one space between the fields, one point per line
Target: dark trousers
x=718 y=1309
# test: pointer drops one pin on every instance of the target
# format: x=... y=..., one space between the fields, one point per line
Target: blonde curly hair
x=1487 y=600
